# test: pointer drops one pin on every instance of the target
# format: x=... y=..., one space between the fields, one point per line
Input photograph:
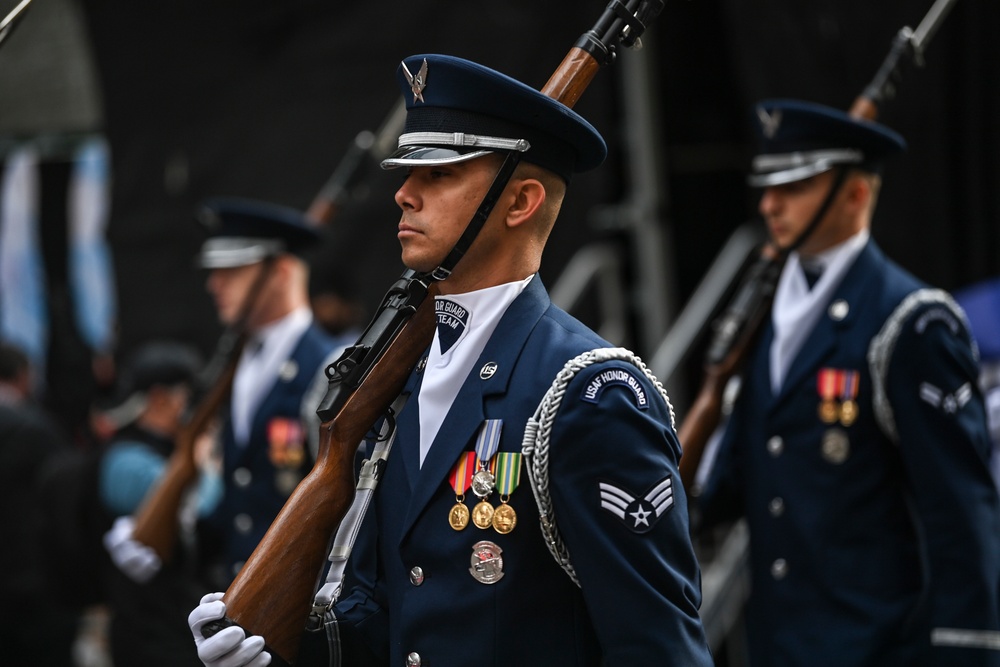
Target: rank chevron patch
x=638 y=514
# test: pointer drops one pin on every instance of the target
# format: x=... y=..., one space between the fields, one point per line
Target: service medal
x=487 y=443
x=483 y=483
x=460 y=479
x=848 y=392
x=482 y=515
x=504 y=519
x=826 y=385
x=508 y=467
x=848 y=412
x=486 y=563
x=458 y=517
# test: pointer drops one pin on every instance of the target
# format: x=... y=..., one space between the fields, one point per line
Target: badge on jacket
x=638 y=514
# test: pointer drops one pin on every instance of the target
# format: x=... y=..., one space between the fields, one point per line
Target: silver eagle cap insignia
x=418 y=82
x=769 y=123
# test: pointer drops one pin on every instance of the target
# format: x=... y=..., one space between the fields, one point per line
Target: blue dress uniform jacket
x=416 y=601
x=866 y=549
x=259 y=477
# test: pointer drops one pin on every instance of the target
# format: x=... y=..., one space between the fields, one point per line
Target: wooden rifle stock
x=271 y=596
x=157 y=521
x=735 y=333
x=706 y=411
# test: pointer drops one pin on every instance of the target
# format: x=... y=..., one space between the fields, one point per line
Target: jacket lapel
x=841 y=314
x=468 y=412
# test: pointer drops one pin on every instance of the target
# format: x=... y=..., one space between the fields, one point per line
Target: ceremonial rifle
x=272 y=594
x=157 y=521
x=10 y=21
x=738 y=327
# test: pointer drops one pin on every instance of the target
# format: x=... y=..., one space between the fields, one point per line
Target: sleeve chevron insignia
x=638 y=514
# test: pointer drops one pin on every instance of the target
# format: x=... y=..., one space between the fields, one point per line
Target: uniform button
x=776 y=507
x=242 y=477
x=839 y=309
x=416 y=575
x=243 y=523
x=775 y=445
x=237 y=566
x=413 y=660
x=779 y=568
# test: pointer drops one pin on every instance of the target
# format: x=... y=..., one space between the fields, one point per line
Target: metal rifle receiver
x=348 y=372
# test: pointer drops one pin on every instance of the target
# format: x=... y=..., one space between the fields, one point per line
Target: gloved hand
x=227 y=648
x=139 y=562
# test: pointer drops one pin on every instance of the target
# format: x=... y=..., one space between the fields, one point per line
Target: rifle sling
x=347 y=533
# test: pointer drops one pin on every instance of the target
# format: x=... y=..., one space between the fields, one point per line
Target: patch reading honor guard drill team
x=601 y=380
x=452 y=320
x=638 y=514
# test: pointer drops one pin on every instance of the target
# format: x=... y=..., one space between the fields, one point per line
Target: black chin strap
x=500 y=181
x=838 y=182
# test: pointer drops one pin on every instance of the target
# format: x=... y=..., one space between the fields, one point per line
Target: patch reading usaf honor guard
x=638 y=514
x=486 y=562
x=601 y=380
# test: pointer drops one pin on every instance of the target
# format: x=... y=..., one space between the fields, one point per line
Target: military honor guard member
x=254 y=254
x=858 y=447
x=453 y=563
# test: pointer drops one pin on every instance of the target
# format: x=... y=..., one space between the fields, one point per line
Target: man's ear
x=528 y=197
x=859 y=192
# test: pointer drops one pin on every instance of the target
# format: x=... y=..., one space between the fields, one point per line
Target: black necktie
x=812 y=274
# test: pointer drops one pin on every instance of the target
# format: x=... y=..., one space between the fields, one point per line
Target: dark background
x=261 y=99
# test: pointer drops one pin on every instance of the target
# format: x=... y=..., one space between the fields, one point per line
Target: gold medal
x=458 y=517
x=460 y=478
x=504 y=519
x=828 y=411
x=826 y=386
x=848 y=412
x=482 y=515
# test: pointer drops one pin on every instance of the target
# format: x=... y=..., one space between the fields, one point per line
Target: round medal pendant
x=458 y=517
x=828 y=412
x=848 y=412
x=504 y=519
x=483 y=483
x=482 y=515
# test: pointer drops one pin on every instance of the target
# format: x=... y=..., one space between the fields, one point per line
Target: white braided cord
x=538 y=434
x=882 y=346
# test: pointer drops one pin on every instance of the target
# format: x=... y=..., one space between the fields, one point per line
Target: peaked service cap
x=245 y=231
x=458 y=110
x=798 y=140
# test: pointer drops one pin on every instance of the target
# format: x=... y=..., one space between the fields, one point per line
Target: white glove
x=139 y=562
x=227 y=648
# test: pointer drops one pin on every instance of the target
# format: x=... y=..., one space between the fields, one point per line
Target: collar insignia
x=769 y=122
x=418 y=82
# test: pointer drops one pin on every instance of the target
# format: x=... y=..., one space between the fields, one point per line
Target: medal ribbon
x=849 y=385
x=826 y=383
x=461 y=474
x=508 y=472
x=488 y=440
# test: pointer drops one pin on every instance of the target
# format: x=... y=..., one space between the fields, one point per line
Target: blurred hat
x=798 y=140
x=458 y=110
x=244 y=231
x=157 y=363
